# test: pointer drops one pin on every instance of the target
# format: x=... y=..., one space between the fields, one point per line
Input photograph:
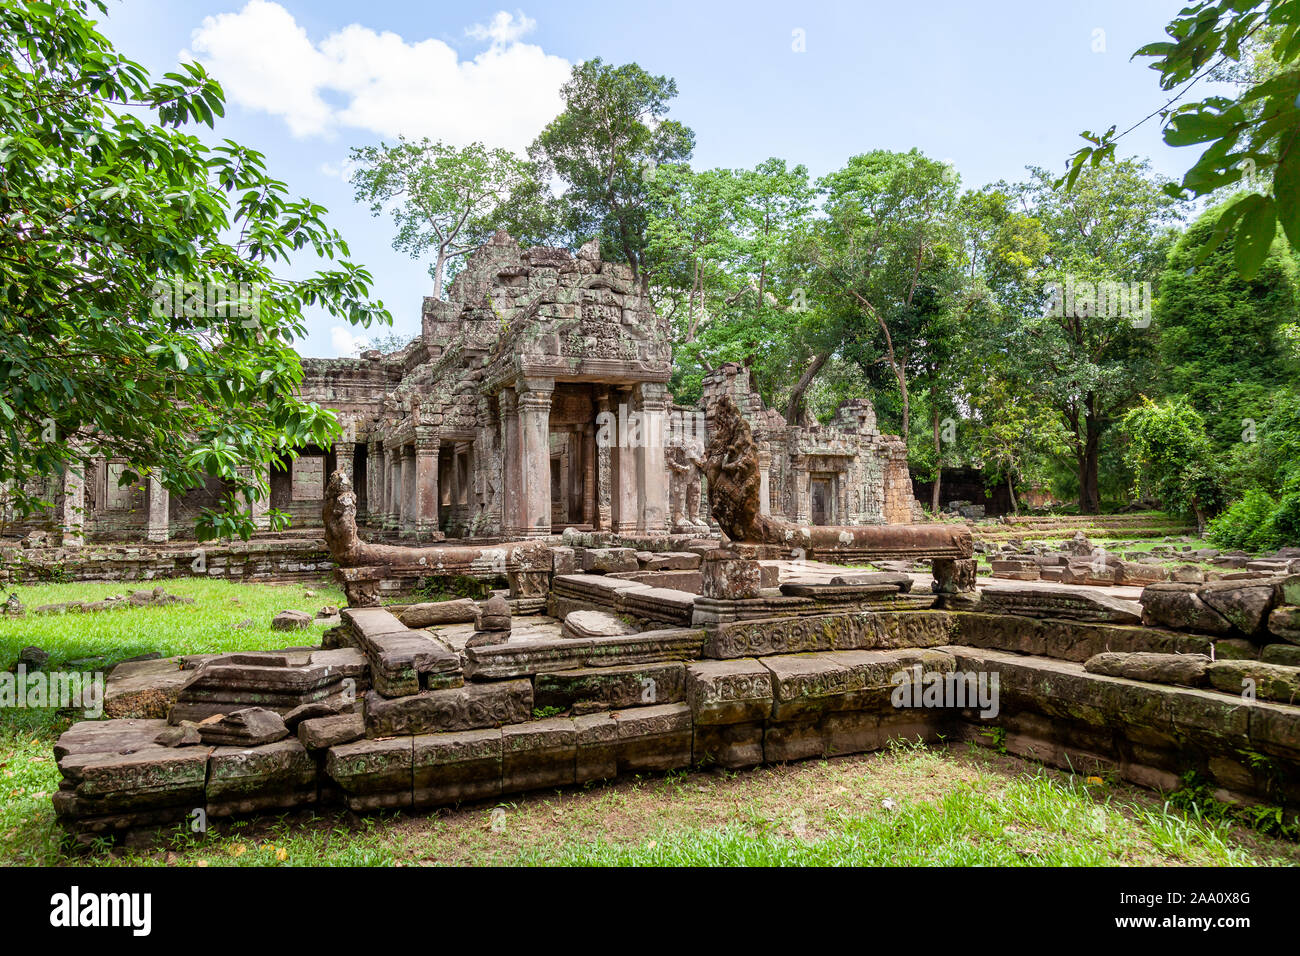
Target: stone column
x=535 y=454
x=765 y=482
x=426 y=479
x=408 y=504
x=652 y=470
x=257 y=507
x=72 y=514
x=802 y=492
x=512 y=479
x=157 y=506
x=343 y=455
x=589 y=476
x=606 y=436
x=624 y=513
x=392 y=485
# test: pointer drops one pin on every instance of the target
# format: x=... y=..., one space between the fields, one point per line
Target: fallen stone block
x=430 y=614
x=247 y=727
x=608 y=560
x=537 y=754
x=628 y=685
x=654 y=739
x=580 y=624
x=729 y=692
x=144 y=689
x=1284 y=622
x=469 y=707
x=1179 y=606
x=321 y=733
x=1050 y=600
x=1285 y=654
x=291 y=621
x=272 y=776
x=1266 y=681
x=1185 y=669
x=455 y=767
x=1245 y=606
x=373 y=774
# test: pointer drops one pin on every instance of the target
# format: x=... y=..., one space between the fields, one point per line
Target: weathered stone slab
x=470 y=707
x=597 y=741
x=1185 y=669
x=657 y=604
x=247 y=727
x=143 y=689
x=1245 y=606
x=627 y=685
x=733 y=746
x=1284 y=622
x=373 y=773
x=276 y=775
x=118 y=736
x=1179 y=606
x=454 y=767
x=729 y=692
x=653 y=739
x=580 y=624
x=608 y=560
x=540 y=753
x=523 y=659
x=147 y=778
x=1266 y=681
x=808 y=685
x=846 y=631
x=429 y=614
x=1068 y=640
x=672 y=561
x=1050 y=600
x=321 y=733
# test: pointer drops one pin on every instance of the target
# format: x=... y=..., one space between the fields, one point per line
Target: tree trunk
x=1089 y=481
x=801 y=386
x=439 y=270
x=1011 y=488
x=938 y=454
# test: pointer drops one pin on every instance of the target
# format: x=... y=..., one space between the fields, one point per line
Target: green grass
x=910 y=805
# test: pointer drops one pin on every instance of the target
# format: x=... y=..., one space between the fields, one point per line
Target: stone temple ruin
x=629 y=632
x=534 y=400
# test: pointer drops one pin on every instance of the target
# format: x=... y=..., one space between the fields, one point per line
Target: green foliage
x=106 y=210
x=1226 y=342
x=1171 y=456
x=1251 y=135
x=444 y=199
x=606 y=148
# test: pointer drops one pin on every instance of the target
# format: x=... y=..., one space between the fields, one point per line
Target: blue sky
x=992 y=86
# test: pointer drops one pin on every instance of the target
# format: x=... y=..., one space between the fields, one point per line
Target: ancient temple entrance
x=574 y=495
x=823 y=499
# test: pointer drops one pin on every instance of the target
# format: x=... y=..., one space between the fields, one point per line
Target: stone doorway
x=822 y=489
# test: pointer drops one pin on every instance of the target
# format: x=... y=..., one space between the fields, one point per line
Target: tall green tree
x=142 y=316
x=445 y=200
x=1088 y=355
x=605 y=148
x=886 y=259
x=1227 y=343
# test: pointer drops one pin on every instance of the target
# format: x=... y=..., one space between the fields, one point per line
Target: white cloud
x=503 y=29
x=345 y=343
x=380 y=82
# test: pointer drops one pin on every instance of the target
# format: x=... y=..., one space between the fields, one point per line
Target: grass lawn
x=912 y=805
